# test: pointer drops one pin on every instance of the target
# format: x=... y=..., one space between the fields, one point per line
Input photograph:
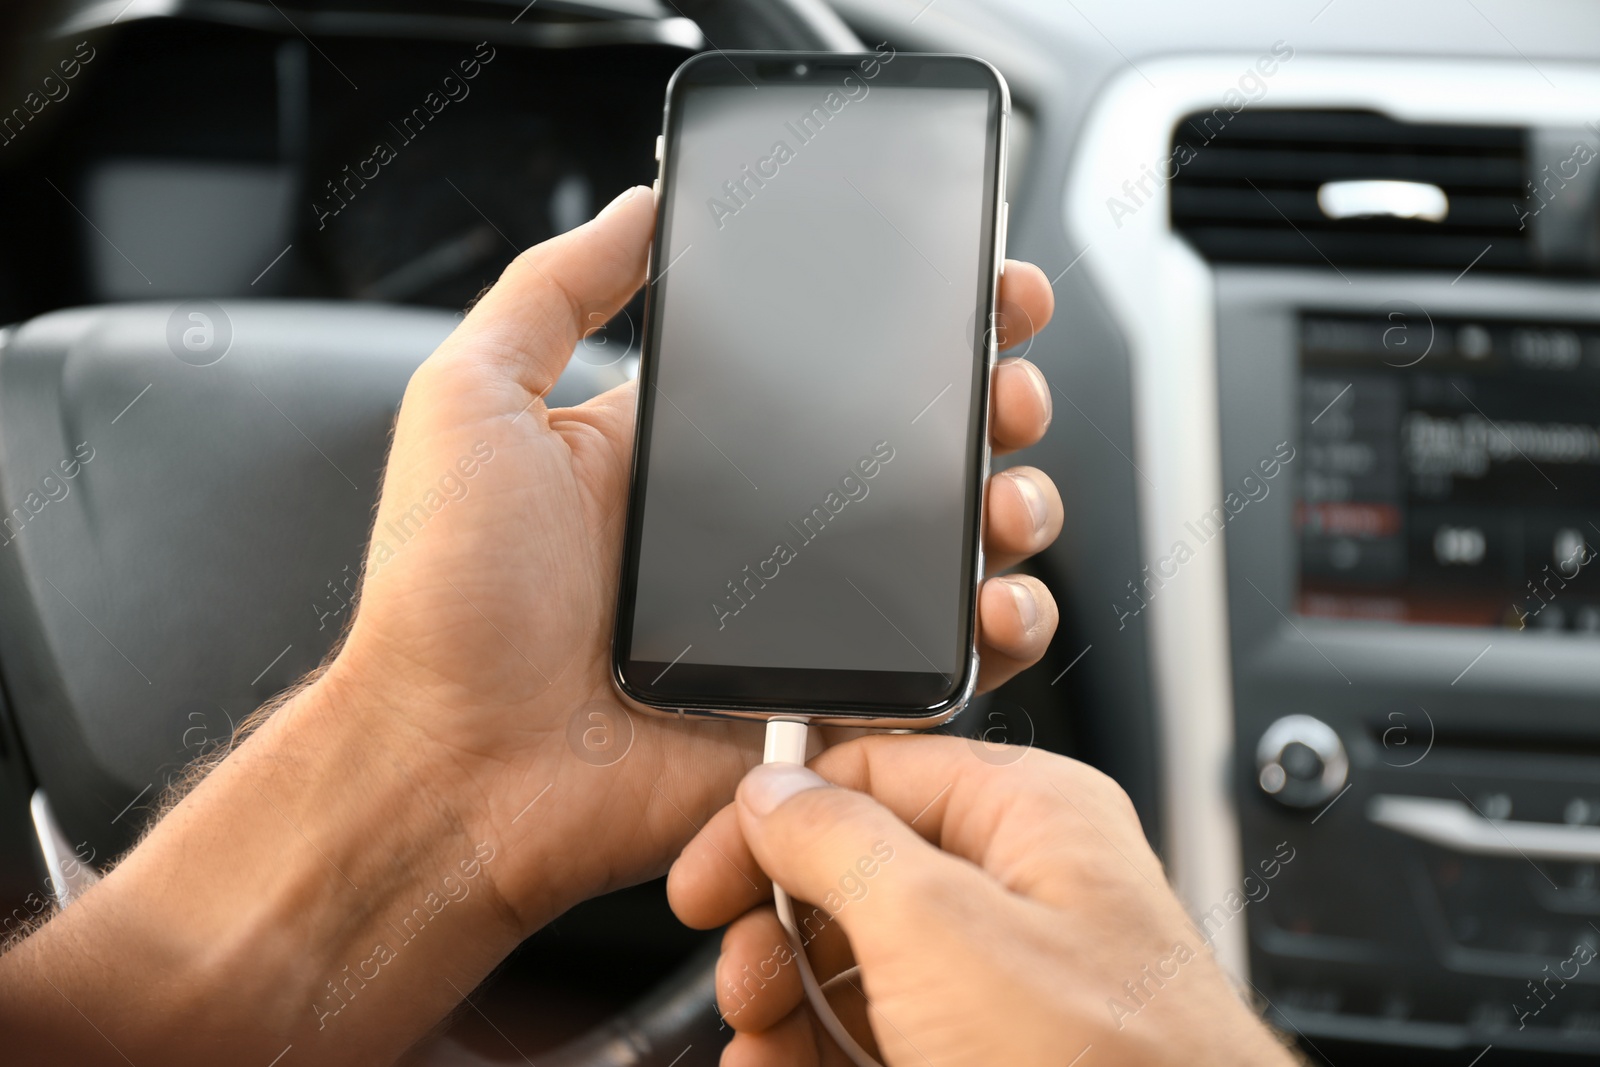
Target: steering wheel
x=170 y=469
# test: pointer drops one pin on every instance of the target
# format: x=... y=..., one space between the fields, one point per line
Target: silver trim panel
x=673 y=32
x=70 y=877
x=1453 y=825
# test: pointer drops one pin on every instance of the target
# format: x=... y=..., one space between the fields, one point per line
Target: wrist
x=392 y=887
x=516 y=774
x=320 y=875
x=462 y=763
x=1239 y=1035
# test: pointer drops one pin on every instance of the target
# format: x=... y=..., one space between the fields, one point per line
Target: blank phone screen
x=810 y=465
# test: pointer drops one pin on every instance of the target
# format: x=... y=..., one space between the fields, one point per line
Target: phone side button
x=1005 y=232
x=659 y=140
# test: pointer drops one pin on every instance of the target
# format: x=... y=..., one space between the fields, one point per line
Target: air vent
x=1246 y=190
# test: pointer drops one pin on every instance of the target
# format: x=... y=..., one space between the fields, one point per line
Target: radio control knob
x=1301 y=762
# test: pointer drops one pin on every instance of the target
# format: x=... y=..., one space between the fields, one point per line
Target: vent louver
x=1246 y=190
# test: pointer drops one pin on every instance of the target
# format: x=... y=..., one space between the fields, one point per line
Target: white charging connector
x=786 y=743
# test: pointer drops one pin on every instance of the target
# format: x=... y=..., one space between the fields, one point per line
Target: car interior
x=1325 y=364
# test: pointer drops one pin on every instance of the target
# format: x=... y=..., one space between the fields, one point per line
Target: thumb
x=554 y=293
x=850 y=857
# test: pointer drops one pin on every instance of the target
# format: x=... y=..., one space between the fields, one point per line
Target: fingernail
x=622 y=198
x=1042 y=388
x=1032 y=497
x=770 y=784
x=1027 y=607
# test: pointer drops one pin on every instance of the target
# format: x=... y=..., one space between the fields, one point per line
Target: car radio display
x=1451 y=471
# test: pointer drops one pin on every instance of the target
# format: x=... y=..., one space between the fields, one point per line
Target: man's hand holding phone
x=486 y=635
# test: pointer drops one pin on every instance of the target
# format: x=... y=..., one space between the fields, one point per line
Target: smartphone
x=804 y=520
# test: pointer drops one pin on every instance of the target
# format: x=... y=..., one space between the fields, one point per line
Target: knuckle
x=522 y=265
x=1110 y=799
x=525 y=272
x=938 y=892
x=915 y=886
x=1058 y=779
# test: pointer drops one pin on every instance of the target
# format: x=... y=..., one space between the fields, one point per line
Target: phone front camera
x=800 y=70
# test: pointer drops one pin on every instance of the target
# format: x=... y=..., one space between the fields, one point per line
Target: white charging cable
x=786 y=743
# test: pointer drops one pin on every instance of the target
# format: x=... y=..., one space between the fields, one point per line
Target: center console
x=1415 y=655
x=1362 y=315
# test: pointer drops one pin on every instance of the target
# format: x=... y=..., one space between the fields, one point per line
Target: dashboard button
x=1301 y=762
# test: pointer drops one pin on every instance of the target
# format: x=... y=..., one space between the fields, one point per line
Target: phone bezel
x=858 y=698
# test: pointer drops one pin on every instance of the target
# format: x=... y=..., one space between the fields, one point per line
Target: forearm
x=316 y=890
